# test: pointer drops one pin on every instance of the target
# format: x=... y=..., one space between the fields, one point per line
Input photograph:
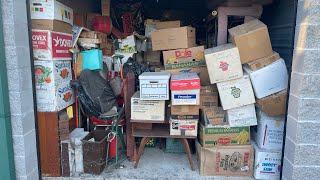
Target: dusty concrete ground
x=155 y=164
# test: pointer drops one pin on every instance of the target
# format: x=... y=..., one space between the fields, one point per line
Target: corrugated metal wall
x=280 y=18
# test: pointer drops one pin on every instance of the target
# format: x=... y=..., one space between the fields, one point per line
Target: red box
x=50 y=45
x=185 y=81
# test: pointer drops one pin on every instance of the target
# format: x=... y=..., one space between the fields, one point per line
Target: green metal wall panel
x=7 y=170
x=280 y=17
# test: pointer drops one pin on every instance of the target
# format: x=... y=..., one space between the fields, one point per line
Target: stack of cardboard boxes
x=51 y=41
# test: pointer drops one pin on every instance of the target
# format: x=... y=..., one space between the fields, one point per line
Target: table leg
x=143 y=142
x=185 y=143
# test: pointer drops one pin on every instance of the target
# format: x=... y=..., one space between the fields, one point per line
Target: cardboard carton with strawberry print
x=223 y=63
x=54 y=98
x=52 y=73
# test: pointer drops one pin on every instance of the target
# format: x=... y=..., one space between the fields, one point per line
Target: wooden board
x=49 y=144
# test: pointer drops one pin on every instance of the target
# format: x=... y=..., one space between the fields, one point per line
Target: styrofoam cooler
x=270 y=79
x=154 y=85
x=236 y=93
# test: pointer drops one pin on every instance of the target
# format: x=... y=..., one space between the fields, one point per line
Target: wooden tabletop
x=159 y=131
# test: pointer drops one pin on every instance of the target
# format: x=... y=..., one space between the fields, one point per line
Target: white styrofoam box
x=185 y=97
x=75 y=138
x=50 y=45
x=223 y=63
x=270 y=79
x=148 y=110
x=269 y=132
x=242 y=116
x=52 y=73
x=154 y=85
x=51 y=10
x=236 y=93
x=267 y=163
x=54 y=98
x=183 y=127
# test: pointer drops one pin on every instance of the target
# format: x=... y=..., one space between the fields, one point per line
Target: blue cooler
x=92 y=59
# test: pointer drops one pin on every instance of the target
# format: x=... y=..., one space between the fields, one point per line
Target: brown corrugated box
x=263 y=62
x=225 y=160
x=252 y=40
x=213 y=116
x=208 y=96
x=173 y=38
x=274 y=105
x=52 y=25
x=185 y=112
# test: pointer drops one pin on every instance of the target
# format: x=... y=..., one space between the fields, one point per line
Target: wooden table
x=159 y=129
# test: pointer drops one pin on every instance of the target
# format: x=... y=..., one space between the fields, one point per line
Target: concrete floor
x=155 y=164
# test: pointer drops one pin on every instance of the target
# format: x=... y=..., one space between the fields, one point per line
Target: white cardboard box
x=52 y=73
x=54 y=98
x=223 y=63
x=267 y=164
x=269 y=132
x=236 y=93
x=154 y=85
x=183 y=127
x=50 y=45
x=270 y=79
x=51 y=10
x=242 y=116
x=148 y=110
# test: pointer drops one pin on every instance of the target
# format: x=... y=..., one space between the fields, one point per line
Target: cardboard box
x=223 y=63
x=51 y=10
x=201 y=71
x=252 y=39
x=185 y=112
x=152 y=25
x=236 y=93
x=154 y=85
x=152 y=57
x=210 y=136
x=242 y=116
x=211 y=116
x=105 y=7
x=274 y=105
x=267 y=164
x=263 y=62
x=147 y=110
x=52 y=73
x=52 y=25
x=54 y=98
x=225 y=160
x=184 y=58
x=270 y=79
x=80 y=19
x=50 y=45
x=185 y=89
x=208 y=96
x=269 y=132
x=173 y=38
x=180 y=127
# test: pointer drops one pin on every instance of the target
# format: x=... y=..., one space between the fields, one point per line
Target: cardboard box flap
x=219 y=48
x=246 y=27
